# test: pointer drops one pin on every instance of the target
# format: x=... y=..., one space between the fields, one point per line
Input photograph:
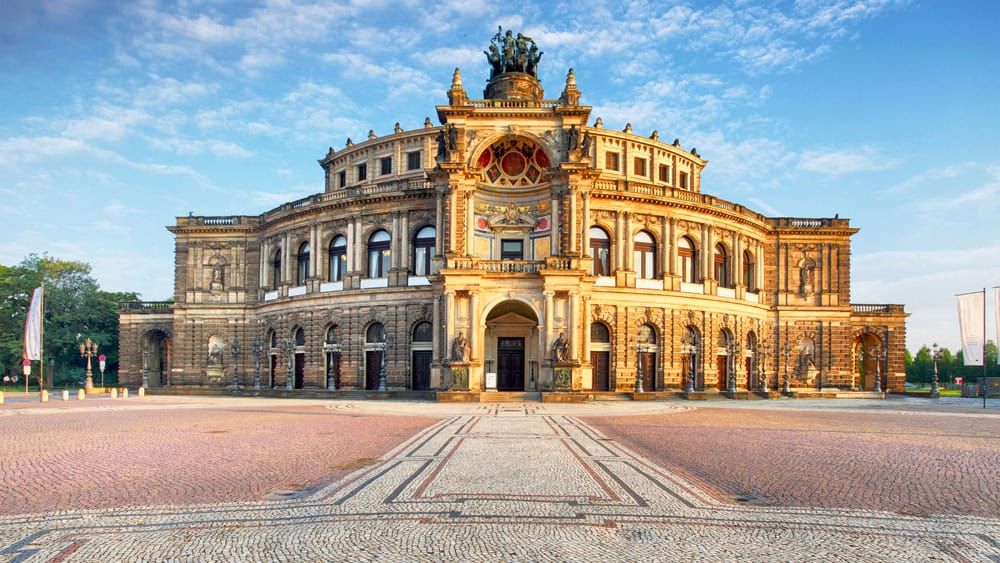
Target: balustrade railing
x=146 y=306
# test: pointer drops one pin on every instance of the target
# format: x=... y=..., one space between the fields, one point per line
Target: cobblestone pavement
x=519 y=482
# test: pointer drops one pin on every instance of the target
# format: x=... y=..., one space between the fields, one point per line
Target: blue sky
x=119 y=116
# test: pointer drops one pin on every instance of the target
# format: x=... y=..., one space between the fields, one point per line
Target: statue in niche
x=452 y=137
x=560 y=349
x=217 y=276
x=806 y=271
x=573 y=138
x=214 y=355
x=442 y=143
x=459 y=348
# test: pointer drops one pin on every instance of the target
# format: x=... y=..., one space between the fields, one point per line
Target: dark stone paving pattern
x=106 y=454
x=527 y=482
x=911 y=463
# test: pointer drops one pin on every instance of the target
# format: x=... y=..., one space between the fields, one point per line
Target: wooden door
x=373 y=364
x=648 y=360
x=300 y=371
x=421 y=369
x=510 y=364
x=723 y=371
x=602 y=373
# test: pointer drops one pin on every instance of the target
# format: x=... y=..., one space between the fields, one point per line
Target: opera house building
x=514 y=246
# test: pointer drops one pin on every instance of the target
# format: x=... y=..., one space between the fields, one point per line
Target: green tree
x=75 y=309
x=921 y=367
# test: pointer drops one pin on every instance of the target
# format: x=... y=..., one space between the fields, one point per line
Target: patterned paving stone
x=462 y=488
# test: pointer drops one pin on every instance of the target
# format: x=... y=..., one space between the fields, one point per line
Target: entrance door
x=510 y=364
x=751 y=384
x=421 y=366
x=648 y=360
x=272 y=373
x=300 y=371
x=373 y=363
x=602 y=373
x=722 y=364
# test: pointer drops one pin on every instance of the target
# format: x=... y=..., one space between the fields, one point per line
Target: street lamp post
x=640 y=349
x=935 y=392
x=88 y=350
x=878 y=355
x=236 y=363
x=101 y=362
x=382 y=346
x=732 y=350
x=762 y=366
x=145 y=368
x=331 y=347
x=787 y=350
x=690 y=347
x=258 y=347
x=288 y=345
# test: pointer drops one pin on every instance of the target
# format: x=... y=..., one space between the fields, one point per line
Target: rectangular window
x=664 y=173
x=341 y=178
x=511 y=249
x=640 y=167
x=684 y=180
x=362 y=172
x=385 y=165
x=414 y=160
x=611 y=161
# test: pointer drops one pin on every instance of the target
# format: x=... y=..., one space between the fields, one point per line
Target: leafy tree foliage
x=75 y=309
x=920 y=369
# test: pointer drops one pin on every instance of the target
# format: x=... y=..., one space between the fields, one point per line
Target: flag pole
x=41 y=344
x=985 y=383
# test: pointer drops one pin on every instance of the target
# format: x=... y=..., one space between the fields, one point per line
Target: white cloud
x=837 y=162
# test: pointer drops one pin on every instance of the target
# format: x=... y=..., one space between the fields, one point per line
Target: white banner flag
x=33 y=328
x=996 y=313
x=971 y=321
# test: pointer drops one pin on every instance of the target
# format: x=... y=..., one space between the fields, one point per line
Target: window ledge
x=331 y=286
x=296 y=291
x=692 y=287
x=642 y=283
x=417 y=280
x=368 y=283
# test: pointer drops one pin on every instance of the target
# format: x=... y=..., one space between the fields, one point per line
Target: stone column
x=470 y=224
x=314 y=251
x=439 y=224
x=549 y=319
x=286 y=258
x=617 y=240
x=585 y=251
x=554 y=242
x=352 y=246
x=450 y=303
x=666 y=247
x=404 y=240
x=265 y=274
x=705 y=252
x=627 y=241
x=394 y=242
x=474 y=325
x=436 y=330
x=571 y=193
x=572 y=332
x=672 y=260
x=452 y=220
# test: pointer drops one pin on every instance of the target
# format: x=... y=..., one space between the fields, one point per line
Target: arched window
x=423 y=332
x=300 y=337
x=276 y=270
x=687 y=260
x=644 y=255
x=272 y=339
x=338 y=258
x=600 y=249
x=599 y=333
x=333 y=334
x=375 y=334
x=749 y=272
x=378 y=254
x=722 y=266
x=302 y=264
x=423 y=249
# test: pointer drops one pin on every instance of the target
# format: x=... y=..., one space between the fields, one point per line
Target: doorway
x=510 y=364
x=421 y=366
x=373 y=364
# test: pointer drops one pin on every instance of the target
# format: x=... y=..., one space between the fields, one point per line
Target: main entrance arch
x=511 y=345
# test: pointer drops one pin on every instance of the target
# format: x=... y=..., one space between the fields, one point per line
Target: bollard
x=142 y=392
x=81 y=394
x=124 y=392
x=65 y=394
x=114 y=393
x=45 y=396
x=1 y=397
